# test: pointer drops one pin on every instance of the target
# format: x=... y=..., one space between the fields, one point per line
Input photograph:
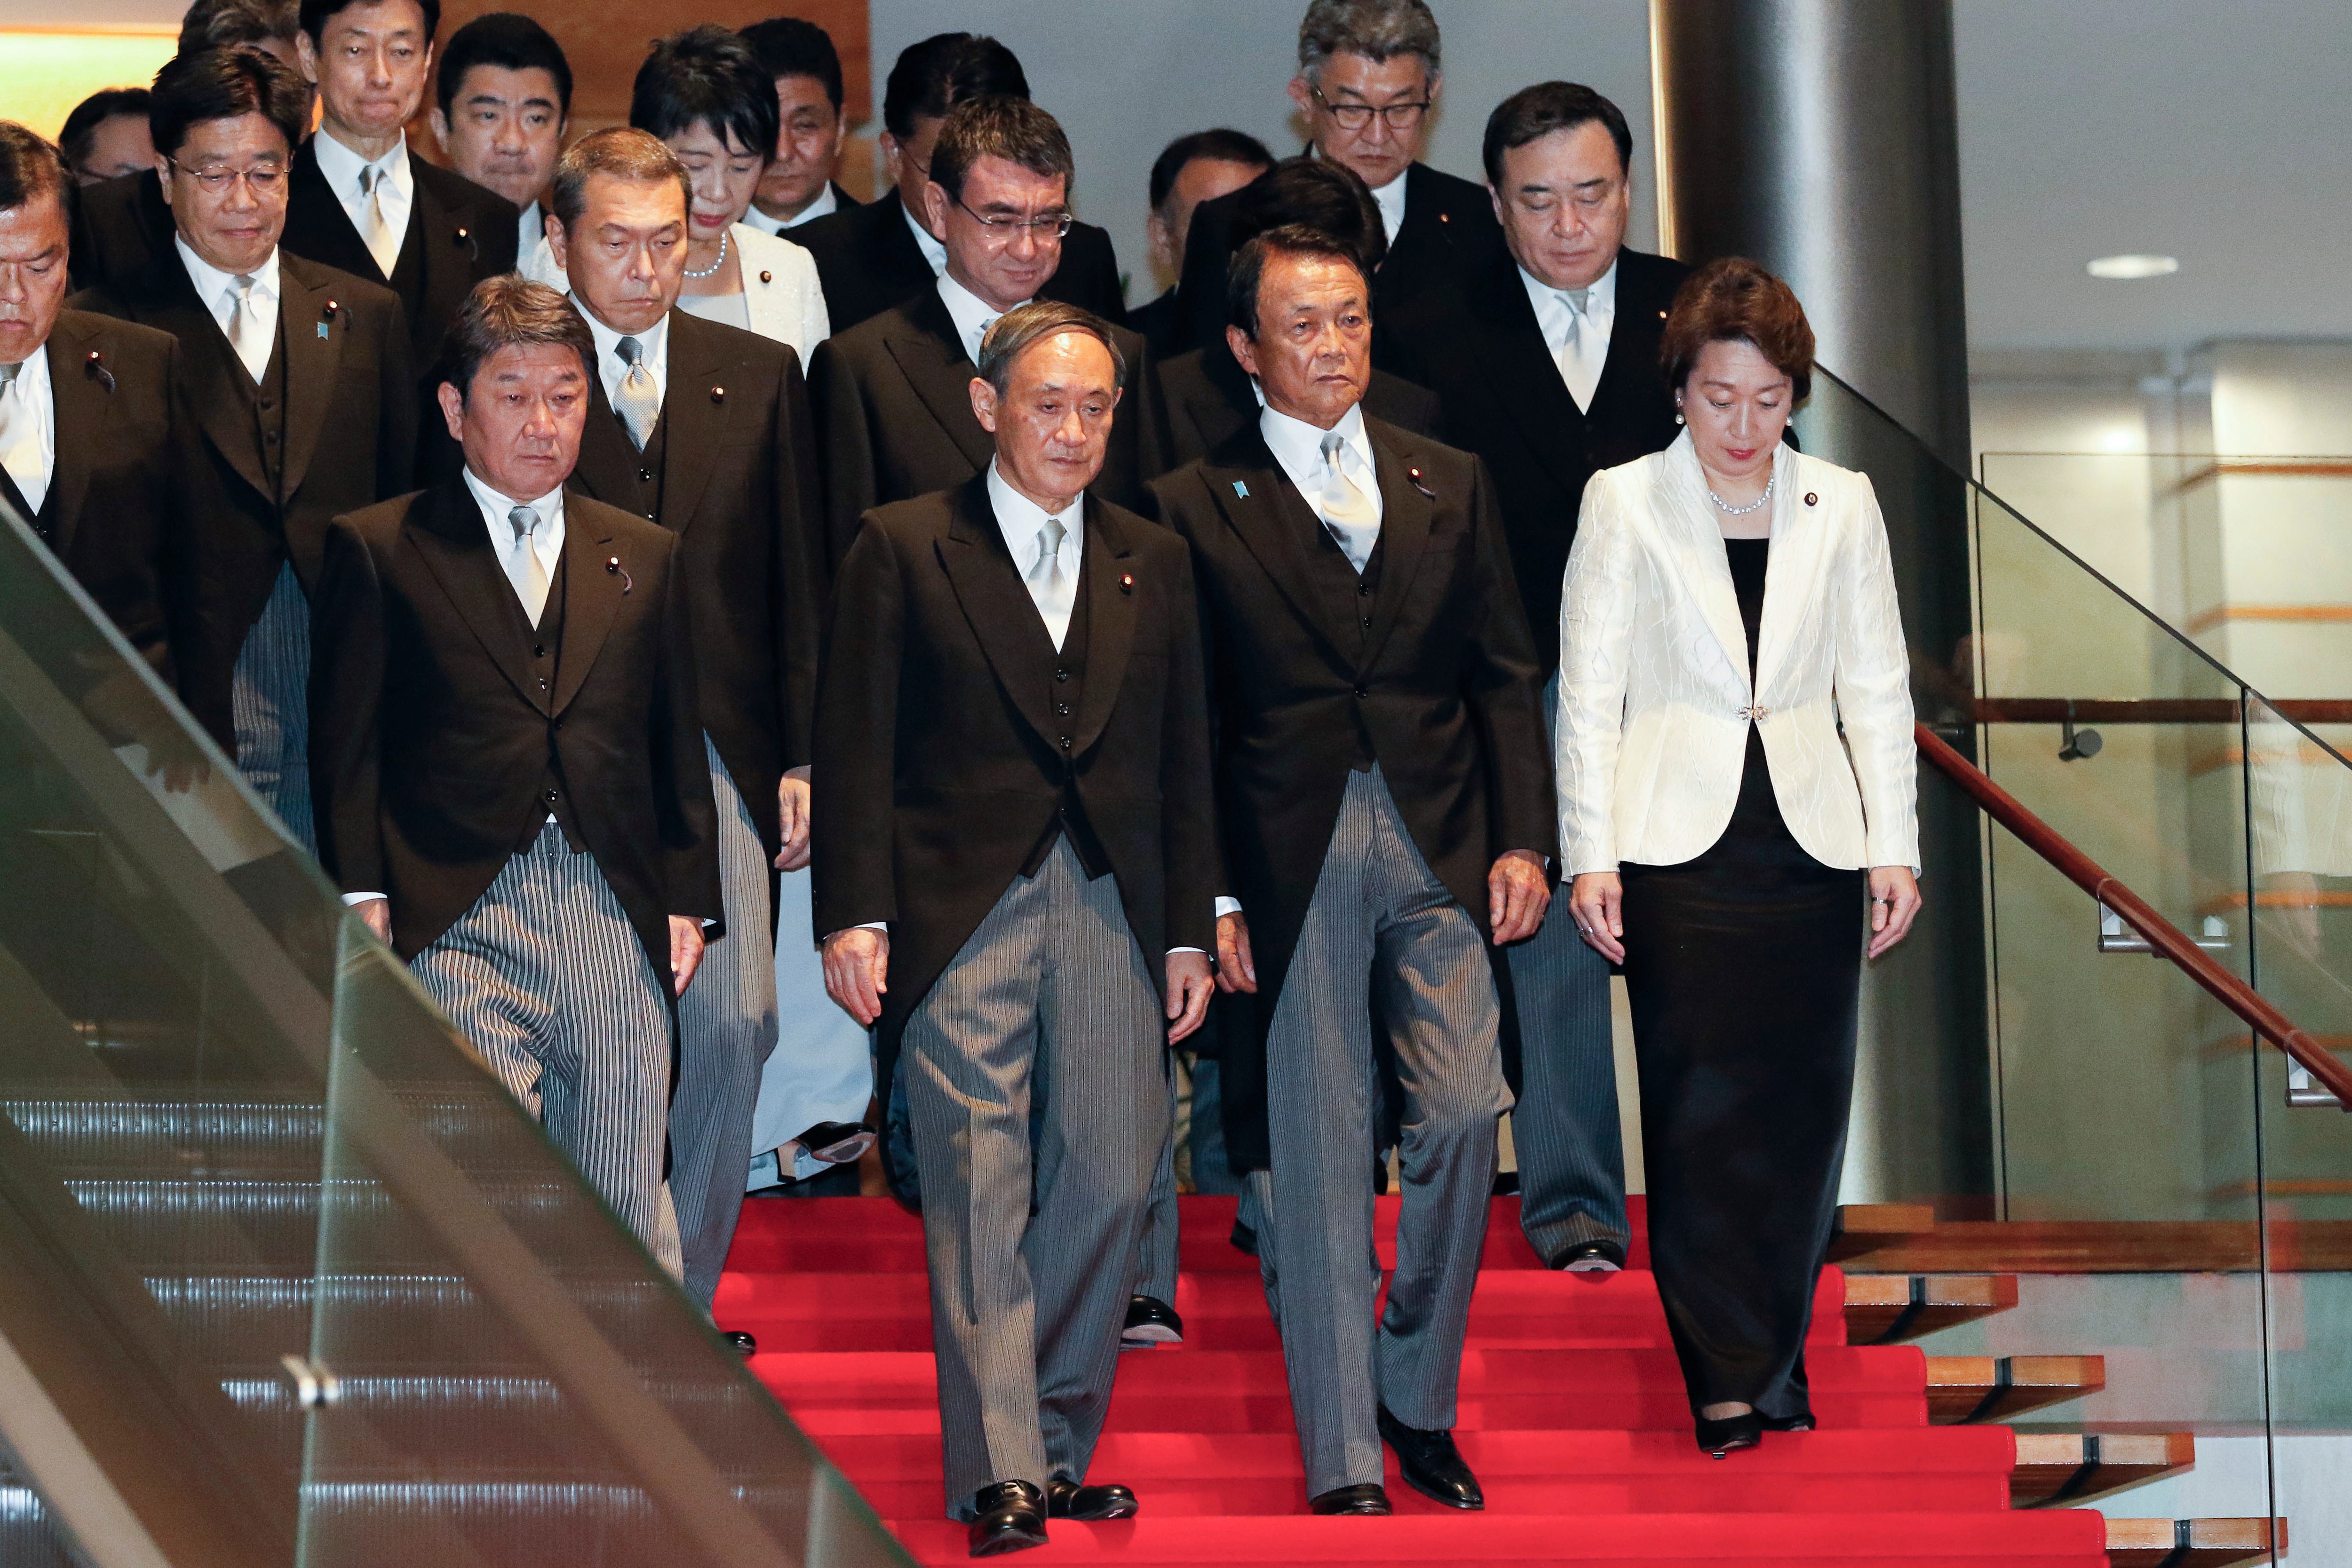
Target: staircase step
x=2193 y=1542
x=2055 y=1469
x=1889 y=1309
x=1780 y=1540
x=1863 y=1228
x=1990 y=1388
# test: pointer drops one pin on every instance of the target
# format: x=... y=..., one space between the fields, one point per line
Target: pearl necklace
x=724 y=234
x=1731 y=510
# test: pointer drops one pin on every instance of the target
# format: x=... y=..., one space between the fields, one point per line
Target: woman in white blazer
x=1736 y=765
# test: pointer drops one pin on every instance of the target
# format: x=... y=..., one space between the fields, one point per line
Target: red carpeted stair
x=1572 y=1411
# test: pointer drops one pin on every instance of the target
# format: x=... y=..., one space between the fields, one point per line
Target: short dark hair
x=316 y=14
x=1013 y=129
x=29 y=166
x=218 y=24
x=506 y=40
x=510 y=311
x=1219 y=146
x=81 y=130
x=1326 y=195
x=932 y=77
x=1025 y=324
x=1377 y=29
x=622 y=151
x=708 y=75
x=225 y=84
x=1248 y=269
x=1735 y=300
x=789 y=46
x=1549 y=106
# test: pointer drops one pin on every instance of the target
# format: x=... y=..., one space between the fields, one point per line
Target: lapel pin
x=612 y=568
x=95 y=369
x=1812 y=499
x=1446 y=217
x=1241 y=490
x=1415 y=474
x=1662 y=315
x=1127 y=582
x=718 y=395
x=767 y=277
x=322 y=328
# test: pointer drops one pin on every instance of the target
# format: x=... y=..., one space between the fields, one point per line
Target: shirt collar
x=1298 y=446
x=1390 y=199
x=826 y=205
x=211 y=282
x=654 y=341
x=494 y=506
x=1022 y=520
x=342 y=166
x=970 y=313
x=935 y=251
x=1600 y=300
x=754 y=218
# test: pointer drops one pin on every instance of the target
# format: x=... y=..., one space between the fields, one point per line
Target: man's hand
x=377 y=913
x=857 y=971
x=1894 y=904
x=792 y=807
x=686 y=945
x=1236 y=970
x=1189 y=989
x=1596 y=902
x=1517 y=894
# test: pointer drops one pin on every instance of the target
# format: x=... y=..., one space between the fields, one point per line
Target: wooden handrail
x=2154 y=710
x=2161 y=933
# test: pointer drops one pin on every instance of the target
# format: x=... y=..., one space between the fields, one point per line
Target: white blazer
x=1655 y=697
x=780 y=291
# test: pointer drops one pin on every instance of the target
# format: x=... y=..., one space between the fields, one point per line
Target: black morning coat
x=945 y=761
x=1443 y=687
x=868 y=261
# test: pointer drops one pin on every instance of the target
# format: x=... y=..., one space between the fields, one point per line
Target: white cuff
x=1227 y=906
x=1202 y=951
x=357 y=898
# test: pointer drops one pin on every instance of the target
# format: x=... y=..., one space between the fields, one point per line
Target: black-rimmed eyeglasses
x=262 y=180
x=1045 y=225
x=1356 y=116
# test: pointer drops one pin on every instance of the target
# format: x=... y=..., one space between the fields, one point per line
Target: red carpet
x=1572 y=1411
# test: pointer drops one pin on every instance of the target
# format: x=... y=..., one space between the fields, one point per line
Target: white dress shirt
x=610 y=367
x=29 y=429
x=1299 y=448
x=1557 y=316
x=973 y=315
x=935 y=251
x=344 y=169
x=826 y=205
x=1022 y=522
x=217 y=290
x=1390 y=199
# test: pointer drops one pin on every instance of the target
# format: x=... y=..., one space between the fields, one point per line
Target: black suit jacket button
x=1360 y=692
x=1061 y=707
x=551 y=797
x=645 y=475
x=539 y=651
x=1368 y=622
x=1061 y=675
x=1363 y=591
x=651 y=519
x=1065 y=743
x=542 y=683
x=1812 y=499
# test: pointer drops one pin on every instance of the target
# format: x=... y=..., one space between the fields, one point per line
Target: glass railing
x=2129 y=1110
x=288 y=1279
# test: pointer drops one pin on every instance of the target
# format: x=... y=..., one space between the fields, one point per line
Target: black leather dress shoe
x=836 y=1142
x=1149 y=1321
x=1065 y=1499
x=1431 y=1464
x=1731 y=1434
x=1602 y=1256
x=1366 y=1498
x=1244 y=1238
x=1008 y=1516
x=1803 y=1423
x=743 y=1343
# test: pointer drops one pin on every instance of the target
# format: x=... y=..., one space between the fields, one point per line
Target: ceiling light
x=2134 y=267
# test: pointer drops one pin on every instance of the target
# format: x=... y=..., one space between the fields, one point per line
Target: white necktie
x=1053 y=589
x=20 y=440
x=533 y=586
x=1348 y=511
x=1582 y=352
x=247 y=332
x=374 y=227
x=985 y=323
x=639 y=402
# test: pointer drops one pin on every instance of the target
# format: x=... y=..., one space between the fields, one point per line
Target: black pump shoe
x=1009 y=1517
x=1430 y=1463
x=1730 y=1434
x=1803 y=1423
x=1367 y=1497
x=1065 y=1499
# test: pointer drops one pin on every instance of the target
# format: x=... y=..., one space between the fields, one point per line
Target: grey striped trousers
x=1571 y=1156
x=546 y=977
x=1379 y=917
x=726 y=1027
x=1048 y=1007
x=269 y=705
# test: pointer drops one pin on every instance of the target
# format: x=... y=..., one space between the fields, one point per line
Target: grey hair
x=1025 y=324
x=1379 y=30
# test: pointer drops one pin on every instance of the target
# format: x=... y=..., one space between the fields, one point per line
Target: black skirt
x=1743 y=968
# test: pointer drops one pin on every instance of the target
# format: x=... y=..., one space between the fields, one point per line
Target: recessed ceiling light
x=2134 y=267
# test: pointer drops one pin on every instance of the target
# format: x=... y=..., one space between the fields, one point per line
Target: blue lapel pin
x=1241 y=490
x=322 y=328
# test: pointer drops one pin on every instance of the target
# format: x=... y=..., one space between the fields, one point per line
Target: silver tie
x=1348 y=512
x=374 y=227
x=533 y=586
x=247 y=332
x=1582 y=352
x=639 y=402
x=1054 y=590
x=20 y=440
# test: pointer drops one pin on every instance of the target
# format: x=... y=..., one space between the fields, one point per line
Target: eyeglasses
x=262 y=181
x=1356 y=116
x=1055 y=225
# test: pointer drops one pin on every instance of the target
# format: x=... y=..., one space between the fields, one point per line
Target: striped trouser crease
x=269 y=705
x=545 y=975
